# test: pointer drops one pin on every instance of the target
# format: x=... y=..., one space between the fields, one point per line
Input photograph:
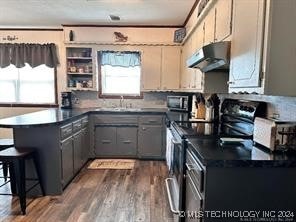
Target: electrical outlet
x=76 y=101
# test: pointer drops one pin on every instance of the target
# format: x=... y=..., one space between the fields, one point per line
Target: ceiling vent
x=114 y=17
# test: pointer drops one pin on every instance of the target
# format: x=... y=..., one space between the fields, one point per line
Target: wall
x=101 y=38
x=6 y=112
x=41 y=37
x=92 y=35
x=106 y=34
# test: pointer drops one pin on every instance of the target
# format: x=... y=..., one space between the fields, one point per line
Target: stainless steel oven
x=194 y=187
x=175 y=161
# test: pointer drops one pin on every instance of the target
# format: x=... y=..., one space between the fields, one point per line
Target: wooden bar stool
x=5 y=143
x=16 y=158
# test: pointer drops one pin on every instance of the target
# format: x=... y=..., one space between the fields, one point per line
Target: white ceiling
x=53 y=13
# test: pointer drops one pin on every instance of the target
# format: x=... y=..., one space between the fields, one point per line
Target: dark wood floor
x=101 y=195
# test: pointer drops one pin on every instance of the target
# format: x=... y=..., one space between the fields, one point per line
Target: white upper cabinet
x=151 y=68
x=186 y=73
x=209 y=27
x=223 y=19
x=161 y=68
x=263 y=47
x=170 y=68
x=247 y=42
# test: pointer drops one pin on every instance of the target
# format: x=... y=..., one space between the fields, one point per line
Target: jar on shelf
x=73 y=69
x=89 y=84
x=80 y=70
x=86 y=69
x=78 y=84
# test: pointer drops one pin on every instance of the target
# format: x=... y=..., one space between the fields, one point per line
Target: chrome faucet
x=121 y=101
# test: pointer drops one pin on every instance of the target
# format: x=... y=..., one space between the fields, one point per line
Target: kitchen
x=261 y=69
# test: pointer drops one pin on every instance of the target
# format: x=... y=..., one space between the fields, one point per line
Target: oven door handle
x=189 y=167
x=167 y=183
x=175 y=142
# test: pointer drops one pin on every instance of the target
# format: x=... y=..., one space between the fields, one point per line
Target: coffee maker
x=66 y=100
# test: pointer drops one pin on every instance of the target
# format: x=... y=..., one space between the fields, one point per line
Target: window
x=27 y=85
x=120 y=73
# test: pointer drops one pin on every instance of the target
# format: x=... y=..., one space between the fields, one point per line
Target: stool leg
x=37 y=167
x=5 y=170
x=11 y=169
x=21 y=184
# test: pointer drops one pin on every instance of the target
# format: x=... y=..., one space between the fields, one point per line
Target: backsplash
x=150 y=99
x=283 y=107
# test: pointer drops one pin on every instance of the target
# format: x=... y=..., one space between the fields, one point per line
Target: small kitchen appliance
x=66 y=100
x=179 y=103
x=275 y=135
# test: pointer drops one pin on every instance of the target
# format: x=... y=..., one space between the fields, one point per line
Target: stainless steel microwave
x=179 y=103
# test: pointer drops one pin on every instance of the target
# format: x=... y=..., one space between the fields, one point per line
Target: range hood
x=215 y=56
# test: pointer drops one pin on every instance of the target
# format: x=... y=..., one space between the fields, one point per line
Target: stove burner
x=191 y=129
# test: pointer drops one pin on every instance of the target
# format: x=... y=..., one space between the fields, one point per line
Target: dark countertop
x=213 y=154
x=60 y=116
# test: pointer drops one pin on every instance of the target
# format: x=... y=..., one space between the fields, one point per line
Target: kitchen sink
x=120 y=109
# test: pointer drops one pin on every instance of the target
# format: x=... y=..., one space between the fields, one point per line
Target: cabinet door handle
x=230 y=82
x=152 y=121
x=144 y=128
x=127 y=141
x=106 y=141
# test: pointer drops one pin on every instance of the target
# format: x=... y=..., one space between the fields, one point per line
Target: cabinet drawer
x=66 y=131
x=115 y=119
x=195 y=170
x=84 y=122
x=151 y=120
x=77 y=125
x=105 y=141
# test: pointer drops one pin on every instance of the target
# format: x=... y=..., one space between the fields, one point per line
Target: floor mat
x=116 y=164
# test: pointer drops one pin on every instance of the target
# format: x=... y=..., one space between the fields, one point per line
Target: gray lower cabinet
x=116 y=141
x=67 y=160
x=77 y=151
x=74 y=148
x=105 y=141
x=85 y=145
x=137 y=136
x=150 y=141
x=126 y=140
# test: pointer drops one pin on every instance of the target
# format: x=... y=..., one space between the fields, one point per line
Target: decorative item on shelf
x=179 y=35
x=78 y=85
x=201 y=5
x=71 y=35
x=119 y=37
x=71 y=83
x=87 y=69
x=86 y=53
x=73 y=69
x=10 y=38
x=69 y=66
x=80 y=70
x=84 y=84
x=89 y=84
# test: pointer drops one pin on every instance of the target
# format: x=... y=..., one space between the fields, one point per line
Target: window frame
x=125 y=96
x=45 y=105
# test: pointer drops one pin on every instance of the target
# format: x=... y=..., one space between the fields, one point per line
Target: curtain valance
x=122 y=59
x=34 y=54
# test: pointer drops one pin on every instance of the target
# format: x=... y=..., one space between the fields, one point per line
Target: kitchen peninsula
x=66 y=139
